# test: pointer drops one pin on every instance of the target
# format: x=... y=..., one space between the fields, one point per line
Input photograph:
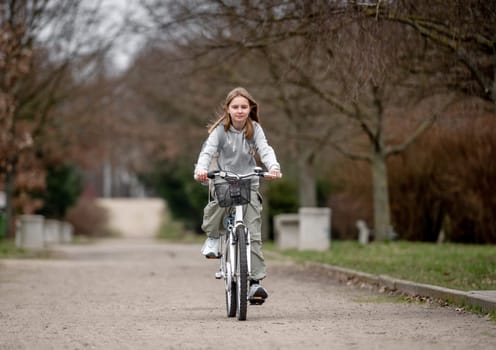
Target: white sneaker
x=211 y=248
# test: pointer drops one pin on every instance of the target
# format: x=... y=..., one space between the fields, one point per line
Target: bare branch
x=455 y=39
x=425 y=125
x=351 y=154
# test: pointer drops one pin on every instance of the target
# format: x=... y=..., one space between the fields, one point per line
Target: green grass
x=456 y=266
x=8 y=250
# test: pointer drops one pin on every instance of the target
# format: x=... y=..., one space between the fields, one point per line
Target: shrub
x=446 y=182
x=442 y=183
x=352 y=200
x=283 y=197
x=88 y=218
x=63 y=187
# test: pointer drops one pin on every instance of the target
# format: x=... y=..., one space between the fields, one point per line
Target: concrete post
x=52 y=231
x=363 y=232
x=315 y=228
x=67 y=231
x=18 y=233
x=30 y=232
x=287 y=230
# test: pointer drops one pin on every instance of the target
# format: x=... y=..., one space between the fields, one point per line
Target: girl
x=235 y=138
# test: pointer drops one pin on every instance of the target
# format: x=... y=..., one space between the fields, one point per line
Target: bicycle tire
x=230 y=284
x=242 y=274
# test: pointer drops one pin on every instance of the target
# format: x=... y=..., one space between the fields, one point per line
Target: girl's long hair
x=225 y=119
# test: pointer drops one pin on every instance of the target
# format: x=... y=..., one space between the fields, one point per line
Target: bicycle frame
x=229 y=265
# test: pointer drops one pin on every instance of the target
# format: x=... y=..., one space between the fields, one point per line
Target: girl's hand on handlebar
x=201 y=176
x=273 y=174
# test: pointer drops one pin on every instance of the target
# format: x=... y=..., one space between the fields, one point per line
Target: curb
x=483 y=300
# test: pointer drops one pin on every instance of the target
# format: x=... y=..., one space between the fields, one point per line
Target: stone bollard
x=67 y=231
x=363 y=232
x=287 y=230
x=52 y=231
x=18 y=234
x=315 y=228
x=29 y=234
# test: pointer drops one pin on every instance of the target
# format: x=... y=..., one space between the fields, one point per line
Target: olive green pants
x=213 y=226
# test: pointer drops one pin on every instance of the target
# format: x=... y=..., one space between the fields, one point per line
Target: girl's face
x=239 y=110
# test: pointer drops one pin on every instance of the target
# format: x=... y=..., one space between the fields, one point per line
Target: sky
x=115 y=12
x=111 y=18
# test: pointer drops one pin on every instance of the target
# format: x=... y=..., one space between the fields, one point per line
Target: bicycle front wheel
x=242 y=274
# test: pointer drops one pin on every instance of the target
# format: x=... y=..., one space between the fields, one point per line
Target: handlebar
x=229 y=175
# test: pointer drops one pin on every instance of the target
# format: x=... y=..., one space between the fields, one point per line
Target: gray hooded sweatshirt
x=235 y=152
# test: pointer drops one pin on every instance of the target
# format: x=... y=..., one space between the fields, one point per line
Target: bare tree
x=342 y=78
x=15 y=62
x=464 y=34
x=225 y=41
x=376 y=73
x=304 y=126
x=44 y=57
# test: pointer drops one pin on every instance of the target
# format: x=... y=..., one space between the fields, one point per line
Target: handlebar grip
x=211 y=174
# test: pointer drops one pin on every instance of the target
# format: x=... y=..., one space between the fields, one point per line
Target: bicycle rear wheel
x=242 y=274
x=230 y=285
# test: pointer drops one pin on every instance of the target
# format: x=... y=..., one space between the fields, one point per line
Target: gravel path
x=140 y=294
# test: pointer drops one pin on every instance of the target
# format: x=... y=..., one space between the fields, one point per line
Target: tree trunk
x=493 y=92
x=9 y=197
x=382 y=214
x=307 y=184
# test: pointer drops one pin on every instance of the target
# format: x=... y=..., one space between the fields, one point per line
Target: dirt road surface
x=140 y=294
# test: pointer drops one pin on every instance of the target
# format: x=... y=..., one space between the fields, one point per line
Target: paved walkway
x=140 y=294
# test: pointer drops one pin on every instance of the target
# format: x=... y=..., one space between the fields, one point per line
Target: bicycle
x=235 y=244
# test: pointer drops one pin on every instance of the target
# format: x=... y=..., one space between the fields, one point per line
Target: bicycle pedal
x=257 y=301
x=212 y=256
